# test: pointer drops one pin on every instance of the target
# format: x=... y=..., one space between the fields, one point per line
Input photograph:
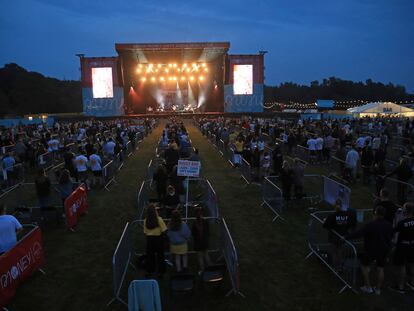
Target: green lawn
x=273 y=272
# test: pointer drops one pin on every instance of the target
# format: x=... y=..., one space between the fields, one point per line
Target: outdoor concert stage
x=153 y=78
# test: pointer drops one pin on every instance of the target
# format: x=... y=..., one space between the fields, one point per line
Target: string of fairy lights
x=343 y=104
x=172 y=72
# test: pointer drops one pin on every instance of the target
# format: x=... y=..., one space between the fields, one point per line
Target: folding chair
x=144 y=295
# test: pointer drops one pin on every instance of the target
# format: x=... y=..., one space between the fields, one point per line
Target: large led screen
x=102 y=86
x=243 y=79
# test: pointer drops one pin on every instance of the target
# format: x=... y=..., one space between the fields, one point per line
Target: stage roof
x=168 y=52
x=119 y=47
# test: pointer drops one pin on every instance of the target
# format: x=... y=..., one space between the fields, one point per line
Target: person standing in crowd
x=367 y=158
x=341 y=222
x=69 y=159
x=286 y=180
x=404 y=173
x=277 y=160
x=238 y=151
x=154 y=230
x=172 y=200
x=265 y=165
x=351 y=163
x=8 y=164
x=298 y=178
x=179 y=235
x=404 y=250
x=65 y=187
x=81 y=162
x=200 y=232
x=387 y=204
x=9 y=227
x=95 y=163
x=43 y=188
x=171 y=156
x=21 y=151
x=377 y=245
x=160 y=178
x=109 y=148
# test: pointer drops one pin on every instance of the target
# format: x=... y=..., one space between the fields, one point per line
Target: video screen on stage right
x=243 y=79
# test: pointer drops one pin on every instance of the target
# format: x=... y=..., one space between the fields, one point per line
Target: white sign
x=188 y=168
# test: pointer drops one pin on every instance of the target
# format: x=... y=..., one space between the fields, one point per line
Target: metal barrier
x=143 y=198
x=210 y=199
x=23 y=200
x=12 y=176
x=337 y=167
x=246 y=172
x=272 y=196
x=109 y=171
x=46 y=160
x=303 y=153
x=338 y=254
x=399 y=191
x=121 y=260
x=7 y=149
x=230 y=256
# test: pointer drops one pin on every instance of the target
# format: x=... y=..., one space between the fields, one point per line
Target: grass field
x=273 y=272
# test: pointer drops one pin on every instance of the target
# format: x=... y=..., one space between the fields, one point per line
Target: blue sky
x=306 y=40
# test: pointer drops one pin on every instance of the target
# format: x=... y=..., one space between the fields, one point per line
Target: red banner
x=19 y=263
x=75 y=206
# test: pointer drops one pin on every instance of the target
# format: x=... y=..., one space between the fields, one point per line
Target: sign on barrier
x=75 y=206
x=20 y=263
x=188 y=168
x=333 y=190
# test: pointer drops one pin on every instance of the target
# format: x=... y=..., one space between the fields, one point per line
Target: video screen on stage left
x=243 y=79
x=102 y=86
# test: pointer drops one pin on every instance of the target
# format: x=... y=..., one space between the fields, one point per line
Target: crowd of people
x=174 y=145
x=363 y=147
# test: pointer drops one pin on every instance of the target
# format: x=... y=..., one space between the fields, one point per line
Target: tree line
x=24 y=92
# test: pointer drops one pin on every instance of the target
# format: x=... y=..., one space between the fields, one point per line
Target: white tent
x=381 y=109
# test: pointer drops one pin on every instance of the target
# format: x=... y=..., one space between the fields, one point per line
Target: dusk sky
x=306 y=40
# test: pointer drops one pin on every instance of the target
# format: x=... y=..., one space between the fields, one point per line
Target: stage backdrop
x=102 y=93
x=243 y=89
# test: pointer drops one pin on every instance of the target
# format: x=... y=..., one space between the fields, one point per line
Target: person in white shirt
x=351 y=162
x=95 y=164
x=376 y=143
x=360 y=143
x=81 y=162
x=9 y=226
x=311 y=143
x=319 y=147
x=109 y=148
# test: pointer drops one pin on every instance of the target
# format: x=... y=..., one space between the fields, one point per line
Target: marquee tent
x=381 y=109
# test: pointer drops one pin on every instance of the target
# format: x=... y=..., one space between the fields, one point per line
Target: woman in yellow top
x=154 y=228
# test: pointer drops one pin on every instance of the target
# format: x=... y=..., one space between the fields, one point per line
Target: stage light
x=195 y=68
x=191 y=78
x=201 y=78
x=150 y=65
x=153 y=79
x=140 y=65
x=143 y=79
x=159 y=66
x=148 y=70
x=205 y=69
x=182 y=78
x=175 y=65
x=184 y=65
x=170 y=65
x=162 y=79
x=169 y=78
x=178 y=69
x=175 y=78
x=203 y=64
x=166 y=70
x=194 y=64
x=139 y=70
x=156 y=70
x=188 y=69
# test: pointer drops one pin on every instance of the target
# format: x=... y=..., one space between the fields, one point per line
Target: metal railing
x=272 y=197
